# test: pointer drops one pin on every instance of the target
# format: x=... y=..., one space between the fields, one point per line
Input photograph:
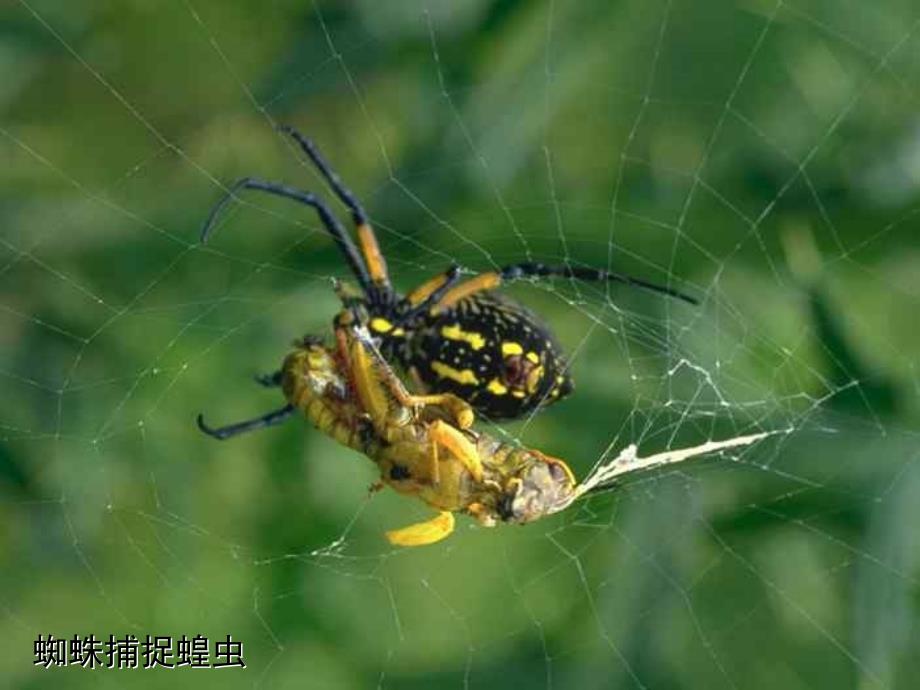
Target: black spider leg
x=224 y=432
x=345 y=195
x=531 y=268
x=272 y=380
x=335 y=182
x=333 y=226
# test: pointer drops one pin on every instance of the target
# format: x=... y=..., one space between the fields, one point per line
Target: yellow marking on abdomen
x=533 y=357
x=447 y=372
x=496 y=387
x=509 y=348
x=381 y=325
x=476 y=341
x=533 y=379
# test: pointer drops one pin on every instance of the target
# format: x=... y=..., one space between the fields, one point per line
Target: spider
x=450 y=335
x=423 y=445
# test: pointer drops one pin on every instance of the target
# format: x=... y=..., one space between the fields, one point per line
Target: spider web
x=760 y=155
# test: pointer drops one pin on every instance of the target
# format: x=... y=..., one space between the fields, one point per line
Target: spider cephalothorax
x=449 y=334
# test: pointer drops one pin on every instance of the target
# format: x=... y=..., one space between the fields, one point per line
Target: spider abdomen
x=492 y=352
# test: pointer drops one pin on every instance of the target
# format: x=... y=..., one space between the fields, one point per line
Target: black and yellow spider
x=450 y=335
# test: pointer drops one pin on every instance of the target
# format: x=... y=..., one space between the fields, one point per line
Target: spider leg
x=224 y=432
x=344 y=242
x=347 y=197
x=532 y=268
x=492 y=279
x=374 y=258
x=269 y=380
x=429 y=292
x=480 y=283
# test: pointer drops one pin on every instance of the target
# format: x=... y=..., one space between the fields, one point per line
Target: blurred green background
x=763 y=156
